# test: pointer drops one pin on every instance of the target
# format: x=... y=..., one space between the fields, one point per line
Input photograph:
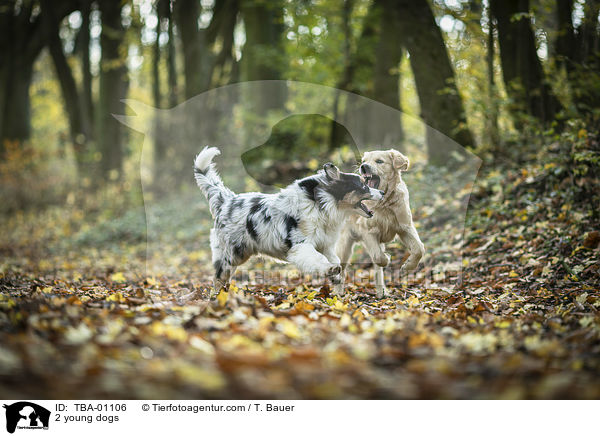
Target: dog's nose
x=382 y=192
x=364 y=168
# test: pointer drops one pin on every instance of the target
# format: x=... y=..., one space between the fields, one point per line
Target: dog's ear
x=399 y=161
x=331 y=171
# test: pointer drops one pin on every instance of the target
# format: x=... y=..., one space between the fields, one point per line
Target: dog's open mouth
x=368 y=212
x=372 y=180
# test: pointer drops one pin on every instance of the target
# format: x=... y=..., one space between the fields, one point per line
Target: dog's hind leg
x=376 y=251
x=222 y=264
x=223 y=273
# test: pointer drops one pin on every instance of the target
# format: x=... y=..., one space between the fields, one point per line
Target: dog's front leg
x=332 y=257
x=380 y=289
x=310 y=261
x=344 y=251
x=410 y=238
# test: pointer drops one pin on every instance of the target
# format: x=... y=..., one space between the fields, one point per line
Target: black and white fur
x=300 y=224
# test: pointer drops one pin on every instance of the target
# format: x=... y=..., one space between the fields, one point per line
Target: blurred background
x=490 y=75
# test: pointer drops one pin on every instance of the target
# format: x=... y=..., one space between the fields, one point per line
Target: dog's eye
x=379 y=161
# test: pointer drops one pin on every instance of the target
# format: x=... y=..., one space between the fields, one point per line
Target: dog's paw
x=382 y=260
x=334 y=270
x=408 y=267
x=381 y=292
x=338 y=289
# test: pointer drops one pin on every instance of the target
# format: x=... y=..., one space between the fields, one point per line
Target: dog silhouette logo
x=26 y=415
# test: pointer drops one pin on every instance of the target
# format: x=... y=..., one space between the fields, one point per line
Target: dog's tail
x=208 y=179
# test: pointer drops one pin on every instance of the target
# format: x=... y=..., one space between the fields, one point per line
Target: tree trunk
x=372 y=70
x=588 y=38
x=578 y=51
x=113 y=87
x=87 y=102
x=65 y=78
x=156 y=96
x=521 y=67
x=5 y=70
x=386 y=74
x=262 y=56
x=187 y=13
x=22 y=37
x=16 y=113
x=492 y=116
x=224 y=60
x=338 y=134
x=21 y=40
x=162 y=12
x=441 y=105
x=565 y=39
x=171 y=66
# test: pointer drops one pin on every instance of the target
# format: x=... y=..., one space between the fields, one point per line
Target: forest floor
x=524 y=321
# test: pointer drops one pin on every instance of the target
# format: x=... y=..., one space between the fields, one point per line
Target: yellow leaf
x=117 y=296
x=73 y=299
x=289 y=329
x=204 y=346
x=513 y=274
x=358 y=315
x=173 y=332
x=412 y=301
x=222 y=298
x=303 y=306
x=340 y=306
x=232 y=287
x=118 y=277
x=205 y=378
x=311 y=295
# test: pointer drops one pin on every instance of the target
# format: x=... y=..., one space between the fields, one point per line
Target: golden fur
x=391 y=217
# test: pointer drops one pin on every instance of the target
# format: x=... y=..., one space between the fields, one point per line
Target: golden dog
x=391 y=217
